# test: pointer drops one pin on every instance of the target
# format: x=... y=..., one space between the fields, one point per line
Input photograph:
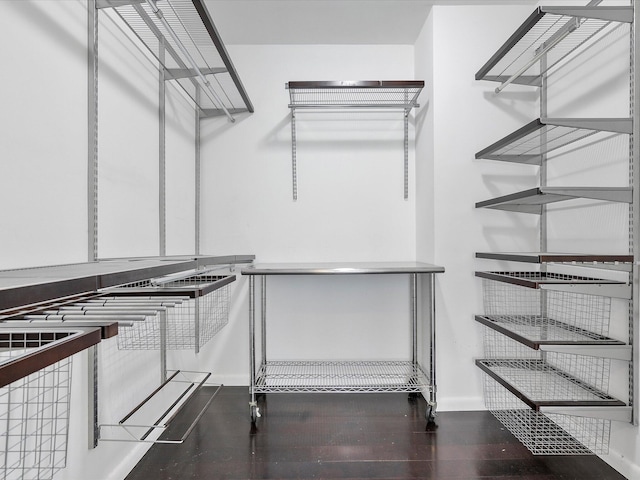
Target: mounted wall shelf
x=540 y=279
x=590 y=260
x=539 y=384
x=365 y=94
x=552 y=32
x=532 y=200
x=536 y=331
x=197 y=59
x=543 y=135
x=549 y=257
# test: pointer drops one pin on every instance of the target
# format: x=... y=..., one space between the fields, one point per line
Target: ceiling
x=325 y=22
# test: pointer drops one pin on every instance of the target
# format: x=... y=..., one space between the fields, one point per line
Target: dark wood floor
x=355 y=436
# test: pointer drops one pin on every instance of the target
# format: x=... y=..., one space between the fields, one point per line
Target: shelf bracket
x=618 y=414
x=605 y=290
x=616 y=352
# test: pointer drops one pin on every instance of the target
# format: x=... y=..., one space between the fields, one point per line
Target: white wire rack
x=341 y=377
x=546 y=434
x=189 y=324
x=34 y=414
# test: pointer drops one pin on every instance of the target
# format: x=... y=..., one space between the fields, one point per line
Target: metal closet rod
x=568 y=28
x=207 y=86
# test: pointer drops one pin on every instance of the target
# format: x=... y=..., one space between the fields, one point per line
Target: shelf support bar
x=406 y=153
x=294 y=166
x=619 y=414
x=92 y=143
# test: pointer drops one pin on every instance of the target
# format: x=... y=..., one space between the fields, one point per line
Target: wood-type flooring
x=354 y=436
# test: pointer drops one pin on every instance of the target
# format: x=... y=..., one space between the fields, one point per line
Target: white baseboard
x=622 y=464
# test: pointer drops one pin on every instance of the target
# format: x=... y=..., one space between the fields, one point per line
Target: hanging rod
x=208 y=90
x=569 y=28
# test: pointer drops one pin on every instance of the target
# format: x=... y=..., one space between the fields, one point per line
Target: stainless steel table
x=409 y=376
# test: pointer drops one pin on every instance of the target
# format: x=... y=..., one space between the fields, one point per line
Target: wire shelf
x=34 y=412
x=536 y=280
x=539 y=383
x=341 y=377
x=557 y=30
x=189 y=324
x=544 y=135
x=356 y=94
x=195 y=31
x=546 y=434
x=536 y=330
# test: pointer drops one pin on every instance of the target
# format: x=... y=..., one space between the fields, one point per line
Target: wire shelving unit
x=399 y=95
x=548 y=349
x=197 y=59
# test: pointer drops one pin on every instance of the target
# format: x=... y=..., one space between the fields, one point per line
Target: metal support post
x=263 y=317
x=432 y=340
x=406 y=154
x=92 y=396
x=253 y=406
x=634 y=218
x=294 y=166
x=198 y=165
x=92 y=131
x=162 y=166
x=414 y=318
x=163 y=346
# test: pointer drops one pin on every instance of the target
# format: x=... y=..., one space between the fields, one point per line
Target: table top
x=341 y=268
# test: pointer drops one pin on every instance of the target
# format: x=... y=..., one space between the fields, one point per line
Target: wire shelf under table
x=341 y=377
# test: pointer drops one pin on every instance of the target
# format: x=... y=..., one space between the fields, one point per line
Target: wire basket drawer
x=34 y=413
x=546 y=434
x=565 y=314
x=190 y=324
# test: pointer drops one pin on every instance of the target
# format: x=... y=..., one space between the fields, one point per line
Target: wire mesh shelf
x=554 y=31
x=341 y=377
x=536 y=280
x=533 y=200
x=539 y=383
x=541 y=136
x=196 y=39
x=402 y=94
x=546 y=434
x=34 y=412
x=189 y=324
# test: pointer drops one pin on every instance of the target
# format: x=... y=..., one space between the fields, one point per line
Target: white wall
x=43 y=166
x=467 y=116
